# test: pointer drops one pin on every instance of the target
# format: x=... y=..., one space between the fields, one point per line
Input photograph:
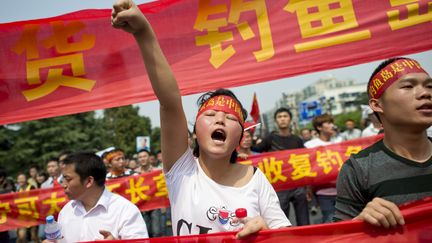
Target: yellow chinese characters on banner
x=112 y=187
x=217 y=38
x=4 y=210
x=301 y=166
x=69 y=54
x=162 y=190
x=272 y=169
x=136 y=190
x=416 y=14
x=53 y=203
x=352 y=150
x=320 y=18
x=27 y=207
x=328 y=159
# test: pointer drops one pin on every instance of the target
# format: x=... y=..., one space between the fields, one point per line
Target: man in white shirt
x=351 y=131
x=94 y=213
x=54 y=171
x=374 y=127
x=326 y=194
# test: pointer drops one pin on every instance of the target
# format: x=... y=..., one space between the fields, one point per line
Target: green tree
x=339 y=120
x=38 y=141
x=155 y=139
x=122 y=125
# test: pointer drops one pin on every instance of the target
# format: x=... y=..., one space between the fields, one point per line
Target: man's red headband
x=113 y=154
x=223 y=103
x=392 y=72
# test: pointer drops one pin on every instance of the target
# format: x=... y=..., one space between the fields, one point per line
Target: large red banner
x=284 y=169
x=77 y=62
x=418 y=228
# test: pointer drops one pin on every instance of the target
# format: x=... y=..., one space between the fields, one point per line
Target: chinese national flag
x=255 y=113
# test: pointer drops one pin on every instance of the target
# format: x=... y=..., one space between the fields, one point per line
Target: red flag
x=255 y=112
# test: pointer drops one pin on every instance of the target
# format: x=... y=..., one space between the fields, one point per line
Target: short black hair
x=202 y=99
x=143 y=150
x=280 y=110
x=88 y=164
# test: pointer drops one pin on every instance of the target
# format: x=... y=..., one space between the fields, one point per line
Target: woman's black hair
x=202 y=99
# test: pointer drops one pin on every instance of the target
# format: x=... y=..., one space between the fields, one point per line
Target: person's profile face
x=327 y=128
x=72 y=185
x=408 y=101
x=118 y=162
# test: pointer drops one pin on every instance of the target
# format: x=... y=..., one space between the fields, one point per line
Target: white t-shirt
x=316 y=142
x=370 y=131
x=200 y=205
x=112 y=213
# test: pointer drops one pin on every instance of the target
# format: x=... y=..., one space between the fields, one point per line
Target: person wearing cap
x=206 y=185
x=397 y=169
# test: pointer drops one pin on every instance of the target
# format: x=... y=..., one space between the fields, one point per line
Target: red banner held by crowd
x=77 y=62
x=284 y=169
x=417 y=216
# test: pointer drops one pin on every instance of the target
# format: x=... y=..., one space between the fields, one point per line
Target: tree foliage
x=122 y=125
x=35 y=142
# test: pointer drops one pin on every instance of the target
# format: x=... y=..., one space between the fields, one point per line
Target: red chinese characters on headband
x=223 y=103
x=391 y=73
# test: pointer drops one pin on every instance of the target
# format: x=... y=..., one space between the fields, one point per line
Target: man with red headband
x=117 y=162
x=208 y=191
x=398 y=169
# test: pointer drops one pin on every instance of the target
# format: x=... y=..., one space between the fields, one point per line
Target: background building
x=327 y=95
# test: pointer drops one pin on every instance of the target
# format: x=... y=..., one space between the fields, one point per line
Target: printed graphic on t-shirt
x=223 y=216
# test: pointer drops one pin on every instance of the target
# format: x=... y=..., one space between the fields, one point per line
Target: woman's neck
x=216 y=169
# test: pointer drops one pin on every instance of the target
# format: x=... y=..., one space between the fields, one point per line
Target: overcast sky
x=267 y=93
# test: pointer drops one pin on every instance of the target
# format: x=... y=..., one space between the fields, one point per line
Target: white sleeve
x=269 y=205
x=184 y=166
x=133 y=225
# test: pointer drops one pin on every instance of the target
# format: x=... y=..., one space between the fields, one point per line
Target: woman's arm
x=174 y=138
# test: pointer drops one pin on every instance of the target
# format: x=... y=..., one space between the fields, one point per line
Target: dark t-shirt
x=276 y=142
x=378 y=172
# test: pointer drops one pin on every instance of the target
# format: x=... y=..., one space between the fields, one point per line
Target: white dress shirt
x=112 y=213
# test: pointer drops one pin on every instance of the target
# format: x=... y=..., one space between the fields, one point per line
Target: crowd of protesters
x=158 y=221
x=206 y=168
